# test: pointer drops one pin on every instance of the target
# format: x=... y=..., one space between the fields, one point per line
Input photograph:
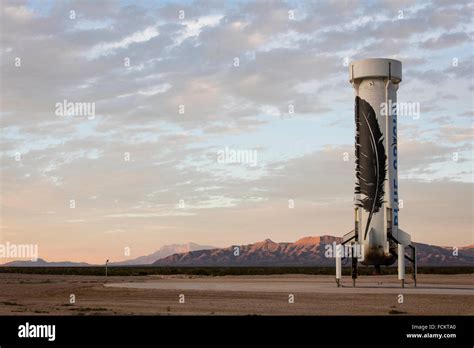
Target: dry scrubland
x=30 y=294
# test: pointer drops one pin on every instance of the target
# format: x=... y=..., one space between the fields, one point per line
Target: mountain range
x=307 y=251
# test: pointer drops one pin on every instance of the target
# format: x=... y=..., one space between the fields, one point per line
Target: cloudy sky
x=173 y=84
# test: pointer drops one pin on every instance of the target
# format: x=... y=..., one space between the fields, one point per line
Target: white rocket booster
x=375 y=82
x=376 y=230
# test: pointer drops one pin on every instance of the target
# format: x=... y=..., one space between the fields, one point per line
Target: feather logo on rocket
x=371 y=168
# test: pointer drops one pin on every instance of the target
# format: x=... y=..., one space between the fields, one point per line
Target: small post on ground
x=106 y=262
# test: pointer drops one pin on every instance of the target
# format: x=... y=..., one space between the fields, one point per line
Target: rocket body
x=376 y=199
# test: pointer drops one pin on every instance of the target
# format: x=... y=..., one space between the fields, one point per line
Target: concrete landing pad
x=307 y=286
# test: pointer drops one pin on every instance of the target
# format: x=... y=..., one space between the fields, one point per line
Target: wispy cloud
x=106 y=48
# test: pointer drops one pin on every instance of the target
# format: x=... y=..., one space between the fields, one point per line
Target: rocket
x=376 y=234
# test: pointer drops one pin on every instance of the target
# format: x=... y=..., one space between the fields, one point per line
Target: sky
x=174 y=88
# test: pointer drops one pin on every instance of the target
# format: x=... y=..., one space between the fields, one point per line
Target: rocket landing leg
x=354 y=270
x=413 y=263
x=401 y=264
x=352 y=238
x=401 y=261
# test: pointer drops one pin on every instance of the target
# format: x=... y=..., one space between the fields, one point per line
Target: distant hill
x=44 y=263
x=307 y=251
x=164 y=251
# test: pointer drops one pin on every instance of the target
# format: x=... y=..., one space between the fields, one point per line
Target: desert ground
x=36 y=294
